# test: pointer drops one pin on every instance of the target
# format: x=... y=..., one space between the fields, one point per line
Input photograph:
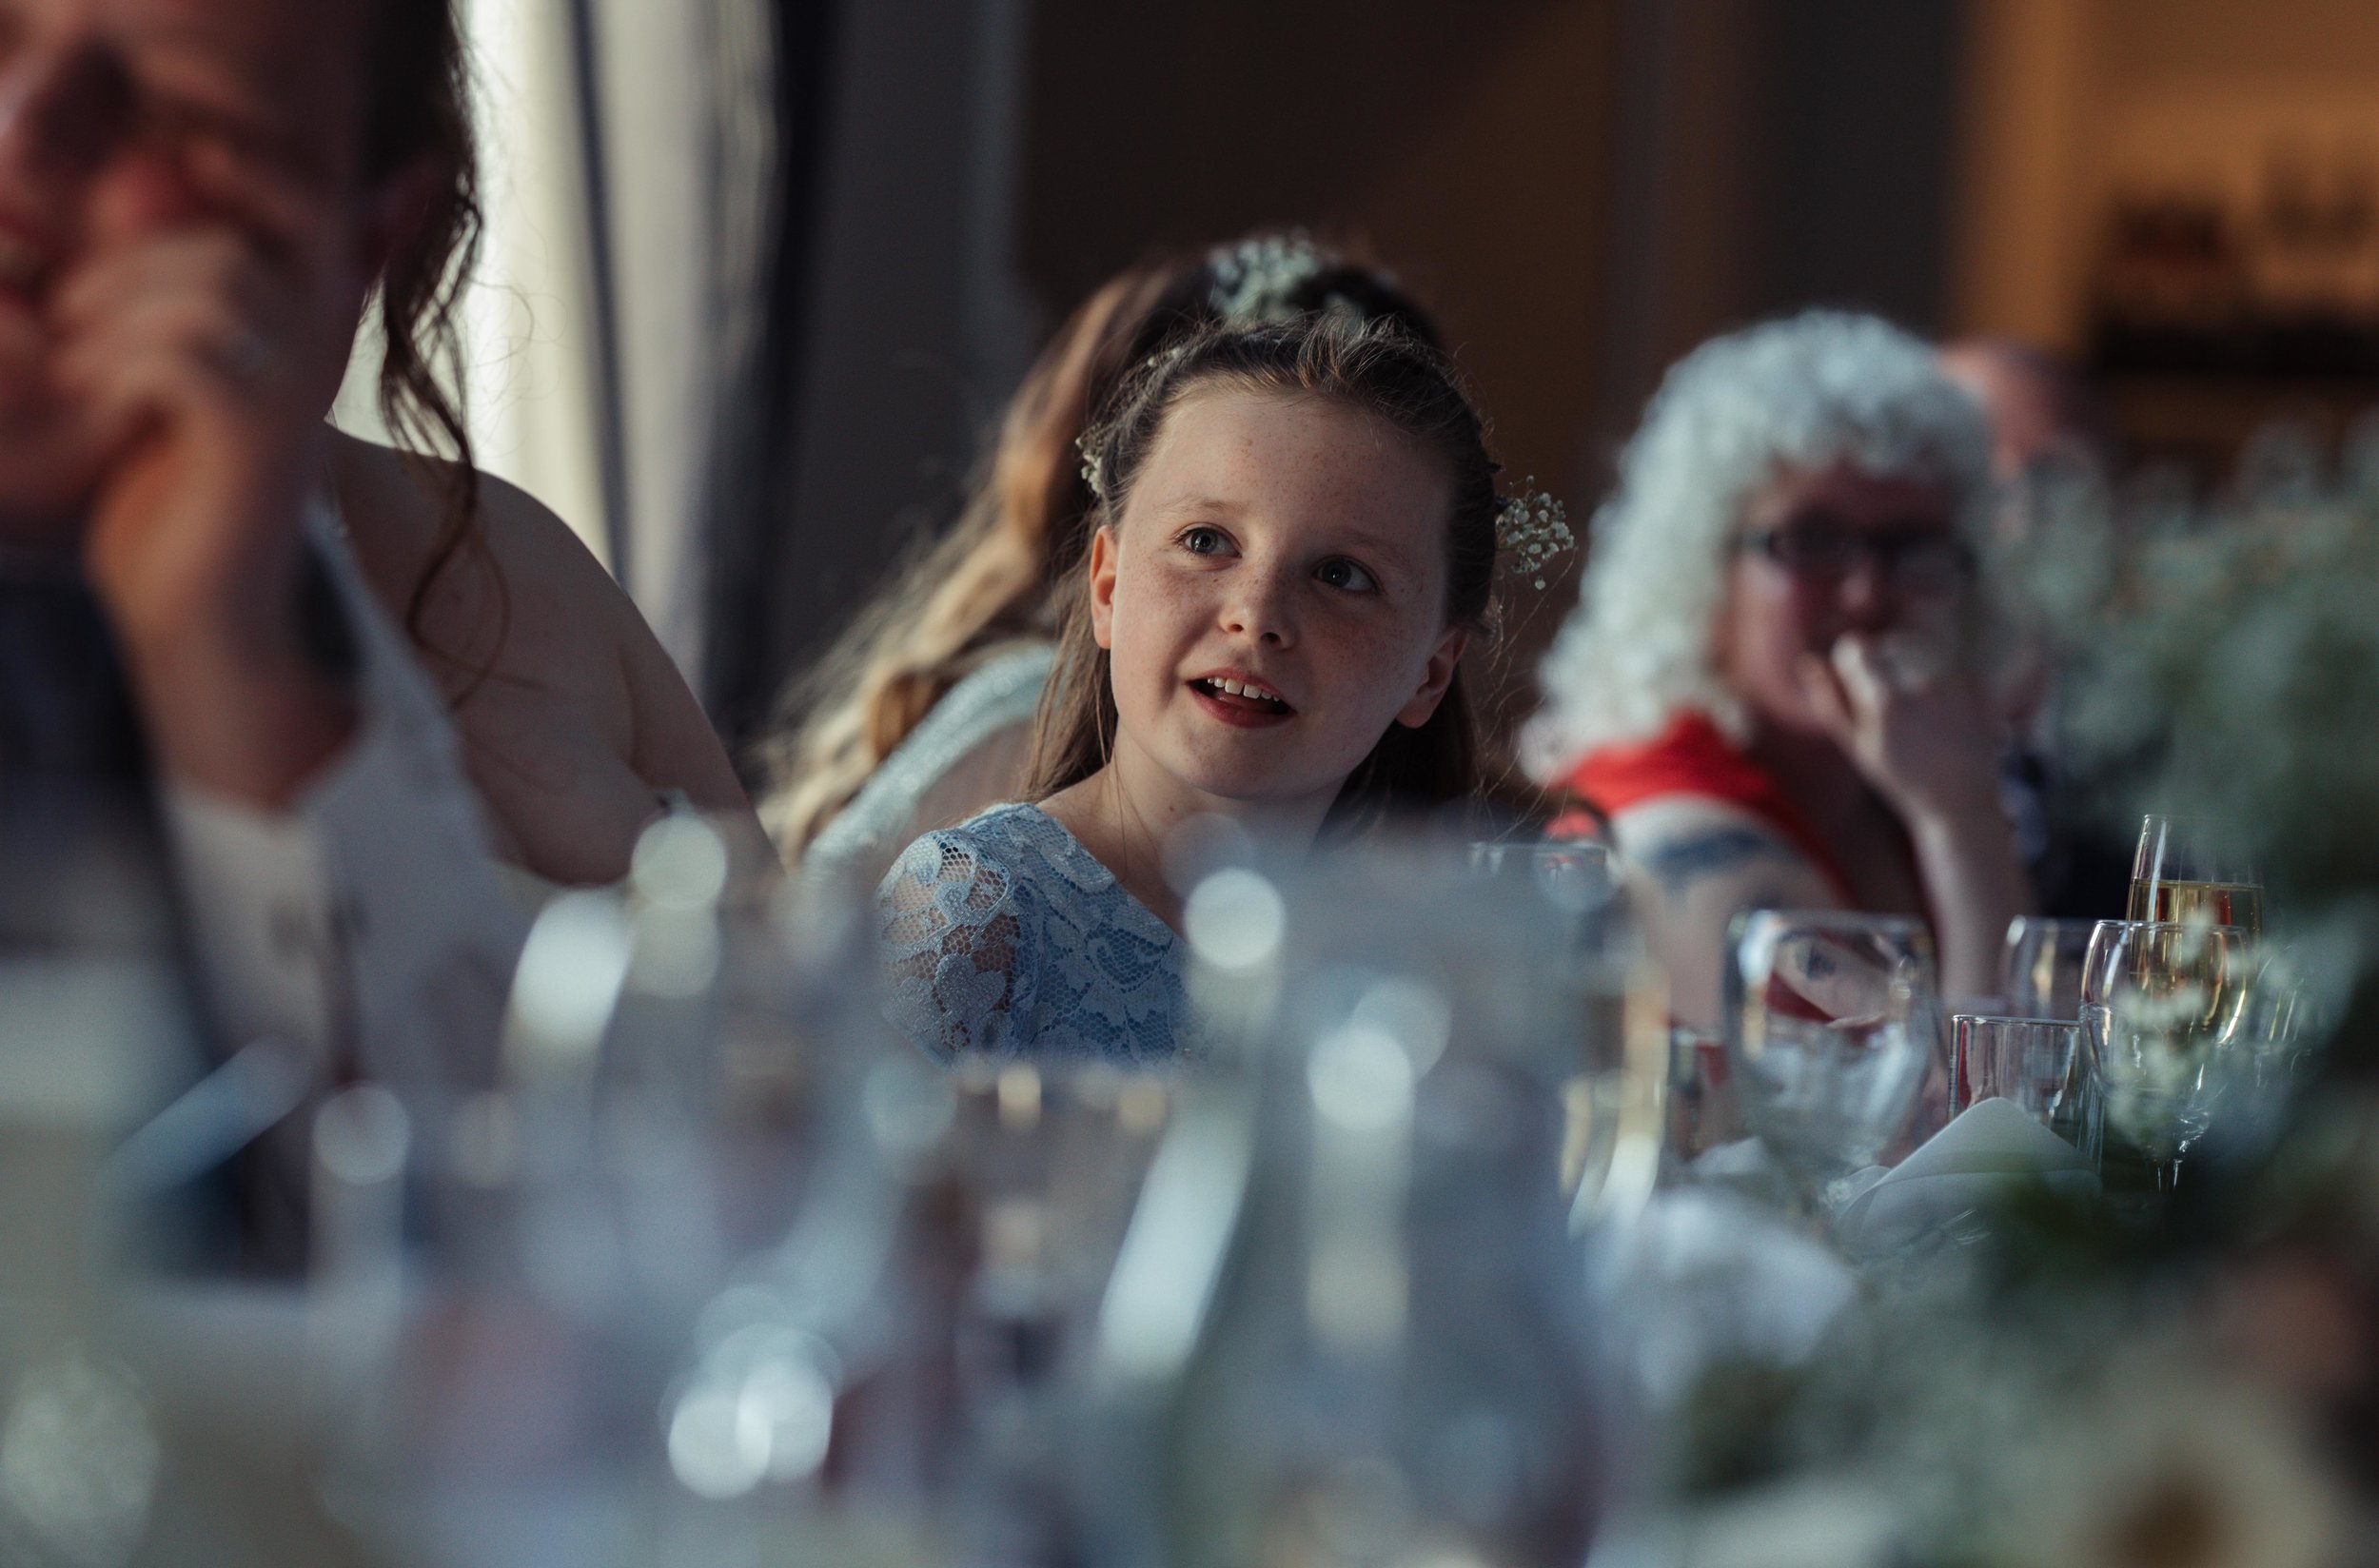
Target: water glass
x=1833 y=1022
x=2027 y=1061
x=2040 y=976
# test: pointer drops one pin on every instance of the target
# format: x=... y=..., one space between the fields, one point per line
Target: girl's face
x=1275 y=597
x=112 y=113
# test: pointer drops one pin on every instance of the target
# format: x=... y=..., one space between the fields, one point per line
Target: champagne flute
x=2163 y=1005
x=2187 y=871
x=1833 y=1021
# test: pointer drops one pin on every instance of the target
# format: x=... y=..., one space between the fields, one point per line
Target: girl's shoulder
x=997 y=854
x=1004 y=936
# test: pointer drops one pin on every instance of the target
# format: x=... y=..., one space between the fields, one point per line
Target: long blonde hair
x=996 y=577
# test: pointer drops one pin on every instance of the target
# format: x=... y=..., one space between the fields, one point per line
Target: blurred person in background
x=922 y=715
x=1771 y=686
x=2044 y=410
x=2050 y=425
x=205 y=584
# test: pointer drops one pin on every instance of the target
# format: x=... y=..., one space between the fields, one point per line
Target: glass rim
x=1850 y=920
x=2209 y=928
x=1957 y=1018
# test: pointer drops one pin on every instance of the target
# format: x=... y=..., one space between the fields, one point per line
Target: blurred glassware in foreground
x=1702 y=1113
x=2188 y=872
x=2042 y=974
x=1833 y=1027
x=1392 y=1364
x=2035 y=1063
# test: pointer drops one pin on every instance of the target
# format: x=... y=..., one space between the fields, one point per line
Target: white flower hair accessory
x=1535 y=529
x=1092 y=470
x=1257 y=280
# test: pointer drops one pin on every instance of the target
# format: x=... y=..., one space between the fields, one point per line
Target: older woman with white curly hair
x=1771 y=685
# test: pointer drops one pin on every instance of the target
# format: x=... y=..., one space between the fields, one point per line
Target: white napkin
x=1706 y=1277
x=1995 y=1147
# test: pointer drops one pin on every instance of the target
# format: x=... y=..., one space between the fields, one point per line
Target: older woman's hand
x=1917 y=726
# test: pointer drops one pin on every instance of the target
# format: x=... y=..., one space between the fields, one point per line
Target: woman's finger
x=206 y=264
x=1821 y=688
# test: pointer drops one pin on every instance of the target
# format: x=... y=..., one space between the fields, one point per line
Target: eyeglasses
x=1915 y=560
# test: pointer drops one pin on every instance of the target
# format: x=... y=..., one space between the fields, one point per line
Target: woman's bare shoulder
x=566 y=627
x=395 y=506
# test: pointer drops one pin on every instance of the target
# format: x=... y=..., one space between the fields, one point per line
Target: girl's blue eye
x=1203 y=541
x=1343 y=574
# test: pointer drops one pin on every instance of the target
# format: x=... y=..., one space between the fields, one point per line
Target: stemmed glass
x=2188 y=871
x=2040 y=976
x=2165 y=1007
x=1833 y=1022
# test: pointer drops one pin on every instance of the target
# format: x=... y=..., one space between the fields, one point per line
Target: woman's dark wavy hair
x=417 y=111
x=1001 y=573
x=1382 y=368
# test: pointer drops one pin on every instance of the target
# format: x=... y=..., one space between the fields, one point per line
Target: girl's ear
x=1103 y=587
x=1440 y=674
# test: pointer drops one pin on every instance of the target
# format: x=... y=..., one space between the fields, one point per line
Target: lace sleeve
x=958 y=939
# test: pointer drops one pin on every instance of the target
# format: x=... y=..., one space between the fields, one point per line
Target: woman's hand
x=1917 y=725
x=203 y=357
x=1921 y=731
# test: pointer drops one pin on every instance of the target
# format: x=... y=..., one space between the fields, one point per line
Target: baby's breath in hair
x=1090 y=466
x=1534 y=529
x=1258 y=280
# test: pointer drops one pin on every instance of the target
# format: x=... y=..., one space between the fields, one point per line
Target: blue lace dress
x=1003 y=937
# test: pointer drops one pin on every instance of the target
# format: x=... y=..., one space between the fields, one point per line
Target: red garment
x=1692 y=758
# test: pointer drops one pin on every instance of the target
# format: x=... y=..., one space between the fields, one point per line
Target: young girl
x=922 y=715
x=1296 y=534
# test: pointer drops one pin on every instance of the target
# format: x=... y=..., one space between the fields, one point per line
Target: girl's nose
x=1259 y=610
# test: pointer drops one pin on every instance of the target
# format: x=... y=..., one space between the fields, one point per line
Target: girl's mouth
x=1244 y=703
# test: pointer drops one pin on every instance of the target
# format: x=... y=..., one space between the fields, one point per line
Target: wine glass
x=2165 y=1005
x=2029 y=1062
x=1832 y=1023
x=2189 y=871
x=2040 y=976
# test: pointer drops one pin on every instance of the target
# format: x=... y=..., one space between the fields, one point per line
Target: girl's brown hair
x=417 y=111
x=1376 y=367
x=998 y=576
